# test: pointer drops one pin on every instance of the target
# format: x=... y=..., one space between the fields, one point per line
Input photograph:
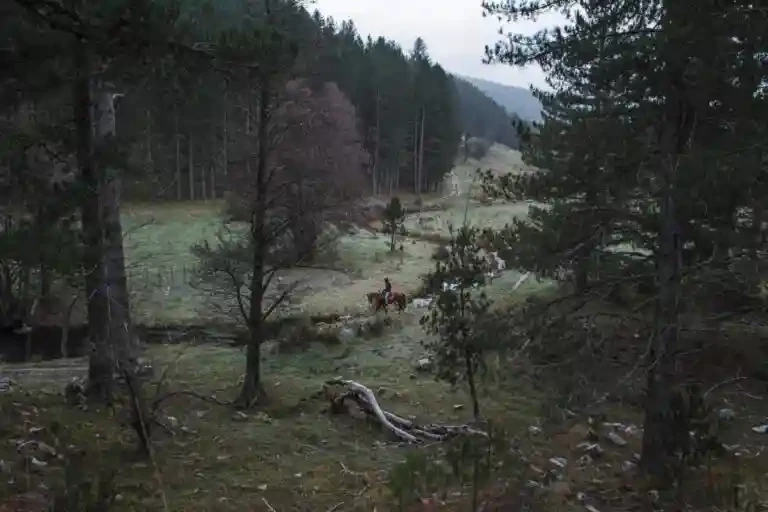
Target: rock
x=5 y=384
x=726 y=414
x=347 y=334
x=423 y=364
x=534 y=430
x=761 y=429
x=560 y=462
x=592 y=449
x=628 y=466
x=37 y=462
x=458 y=407
x=239 y=416
x=616 y=439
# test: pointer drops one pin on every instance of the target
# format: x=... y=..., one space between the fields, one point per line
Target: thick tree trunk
x=662 y=437
x=100 y=364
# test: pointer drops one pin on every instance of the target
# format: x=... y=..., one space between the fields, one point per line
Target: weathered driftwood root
x=403 y=429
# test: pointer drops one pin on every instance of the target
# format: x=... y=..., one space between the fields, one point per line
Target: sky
x=455 y=32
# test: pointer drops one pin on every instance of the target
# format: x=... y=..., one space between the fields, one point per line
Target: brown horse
x=376 y=301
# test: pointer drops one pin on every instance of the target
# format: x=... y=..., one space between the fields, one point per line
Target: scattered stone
x=726 y=414
x=590 y=508
x=37 y=462
x=173 y=421
x=628 y=466
x=761 y=429
x=3 y=466
x=262 y=487
x=239 y=416
x=585 y=460
x=46 y=449
x=458 y=407
x=423 y=364
x=592 y=449
x=347 y=334
x=616 y=439
x=632 y=430
x=5 y=384
x=560 y=462
x=534 y=430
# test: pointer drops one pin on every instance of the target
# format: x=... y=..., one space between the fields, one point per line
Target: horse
x=376 y=301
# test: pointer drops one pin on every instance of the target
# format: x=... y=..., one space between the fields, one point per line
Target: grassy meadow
x=292 y=454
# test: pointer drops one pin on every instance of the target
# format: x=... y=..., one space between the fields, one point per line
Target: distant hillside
x=482 y=117
x=516 y=100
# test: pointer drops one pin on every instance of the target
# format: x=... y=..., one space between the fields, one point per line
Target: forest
x=251 y=259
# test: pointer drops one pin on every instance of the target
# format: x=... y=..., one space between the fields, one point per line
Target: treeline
x=411 y=113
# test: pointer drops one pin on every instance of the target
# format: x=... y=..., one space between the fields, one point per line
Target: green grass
x=291 y=453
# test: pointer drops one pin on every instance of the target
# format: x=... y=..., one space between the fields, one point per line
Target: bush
x=441 y=253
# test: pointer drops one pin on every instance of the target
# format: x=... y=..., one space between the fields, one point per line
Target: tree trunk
x=422 y=179
x=213 y=183
x=191 y=170
x=100 y=364
x=149 y=158
x=252 y=390
x=225 y=141
x=376 y=147
x=662 y=437
x=416 y=157
x=203 y=184
x=177 y=138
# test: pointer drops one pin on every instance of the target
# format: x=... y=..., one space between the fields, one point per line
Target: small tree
x=453 y=317
x=394 y=217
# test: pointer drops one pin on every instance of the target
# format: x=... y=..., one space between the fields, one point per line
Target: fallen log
x=403 y=429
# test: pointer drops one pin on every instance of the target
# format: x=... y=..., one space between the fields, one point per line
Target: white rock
x=726 y=414
x=616 y=439
x=346 y=334
x=761 y=429
x=560 y=462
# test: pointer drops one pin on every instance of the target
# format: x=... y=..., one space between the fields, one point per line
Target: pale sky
x=455 y=32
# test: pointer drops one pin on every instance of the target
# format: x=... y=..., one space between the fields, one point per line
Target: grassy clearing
x=291 y=453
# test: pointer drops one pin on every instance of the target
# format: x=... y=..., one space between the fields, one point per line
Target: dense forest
x=620 y=274
x=179 y=123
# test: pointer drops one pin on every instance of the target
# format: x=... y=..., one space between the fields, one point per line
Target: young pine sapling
x=394 y=217
x=459 y=307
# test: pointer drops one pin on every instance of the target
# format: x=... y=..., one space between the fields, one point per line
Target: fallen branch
x=403 y=429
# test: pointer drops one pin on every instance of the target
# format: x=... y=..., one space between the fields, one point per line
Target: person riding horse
x=387 y=291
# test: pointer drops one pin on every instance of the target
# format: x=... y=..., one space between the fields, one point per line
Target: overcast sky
x=455 y=32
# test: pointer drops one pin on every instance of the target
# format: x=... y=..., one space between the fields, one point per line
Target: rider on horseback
x=387 y=291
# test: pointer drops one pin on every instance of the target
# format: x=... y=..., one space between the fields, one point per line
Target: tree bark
x=177 y=139
x=191 y=170
x=422 y=180
x=661 y=436
x=100 y=365
x=252 y=391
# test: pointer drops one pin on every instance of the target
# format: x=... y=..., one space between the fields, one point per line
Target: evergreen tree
x=637 y=144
